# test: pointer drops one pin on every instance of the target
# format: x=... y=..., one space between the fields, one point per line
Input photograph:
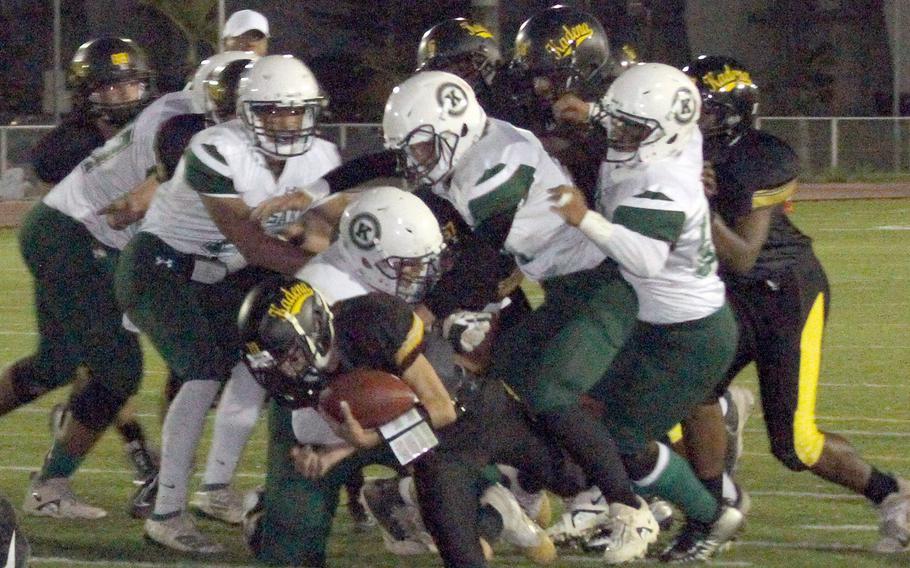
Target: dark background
x=810 y=57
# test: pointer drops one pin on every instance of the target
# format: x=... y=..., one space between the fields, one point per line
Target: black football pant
x=494 y=429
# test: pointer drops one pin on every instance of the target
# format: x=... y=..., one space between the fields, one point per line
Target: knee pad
x=95 y=406
x=25 y=381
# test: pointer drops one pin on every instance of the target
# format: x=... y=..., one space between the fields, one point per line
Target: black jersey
x=64 y=147
x=172 y=138
x=377 y=331
x=760 y=171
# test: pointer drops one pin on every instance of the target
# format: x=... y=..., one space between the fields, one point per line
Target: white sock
x=722 y=401
x=235 y=419
x=180 y=434
x=729 y=489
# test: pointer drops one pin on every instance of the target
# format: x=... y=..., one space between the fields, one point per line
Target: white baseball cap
x=243 y=21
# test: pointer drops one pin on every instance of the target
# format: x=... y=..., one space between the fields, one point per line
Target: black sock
x=715 y=487
x=131 y=431
x=880 y=486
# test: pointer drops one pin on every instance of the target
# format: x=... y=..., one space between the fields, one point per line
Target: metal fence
x=848 y=143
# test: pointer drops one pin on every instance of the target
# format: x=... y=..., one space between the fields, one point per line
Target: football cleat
x=740 y=403
x=180 y=533
x=145 y=460
x=627 y=534
x=253 y=509
x=55 y=498
x=535 y=505
x=143 y=500
x=517 y=528
x=699 y=541
x=662 y=511
x=894 y=528
x=222 y=504
x=401 y=525
x=585 y=513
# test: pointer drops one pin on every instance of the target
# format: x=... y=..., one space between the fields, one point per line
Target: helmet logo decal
x=571 y=38
x=431 y=48
x=476 y=30
x=452 y=99
x=365 y=231
x=727 y=79
x=292 y=302
x=121 y=58
x=683 y=106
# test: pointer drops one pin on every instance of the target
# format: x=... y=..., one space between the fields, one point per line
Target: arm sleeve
x=359 y=170
x=640 y=255
x=63 y=148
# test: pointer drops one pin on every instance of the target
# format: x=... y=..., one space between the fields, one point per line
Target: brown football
x=375 y=397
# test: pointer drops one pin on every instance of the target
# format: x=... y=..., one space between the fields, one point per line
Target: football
x=375 y=397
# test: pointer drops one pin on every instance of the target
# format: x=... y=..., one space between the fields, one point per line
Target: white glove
x=467 y=330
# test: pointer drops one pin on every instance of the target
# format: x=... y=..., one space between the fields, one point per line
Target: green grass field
x=797 y=520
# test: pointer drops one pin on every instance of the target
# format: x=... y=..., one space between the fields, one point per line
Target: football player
x=14 y=548
x=182 y=278
x=498 y=176
x=653 y=219
x=389 y=241
x=107 y=92
x=71 y=249
x=779 y=291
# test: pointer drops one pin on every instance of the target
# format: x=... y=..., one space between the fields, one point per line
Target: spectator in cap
x=246 y=30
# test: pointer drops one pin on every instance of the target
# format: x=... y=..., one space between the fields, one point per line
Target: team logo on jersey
x=571 y=38
x=476 y=30
x=727 y=80
x=452 y=99
x=365 y=231
x=683 y=107
x=291 y=301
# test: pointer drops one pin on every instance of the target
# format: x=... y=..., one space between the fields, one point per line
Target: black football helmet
x=730 y=99
x=565 y=45
x=221 y=87
x=287 y=329
x=107 y=61
x=462 y=47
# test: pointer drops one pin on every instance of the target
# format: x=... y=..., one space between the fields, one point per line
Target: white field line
x=807 y=495
x=837 y=528
x=80 y=562
x=869 y=457
x=852 y=433
x=818 y=546
x=115 y=471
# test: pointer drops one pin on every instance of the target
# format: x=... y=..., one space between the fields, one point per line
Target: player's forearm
x=434 y=397
x=640 y=255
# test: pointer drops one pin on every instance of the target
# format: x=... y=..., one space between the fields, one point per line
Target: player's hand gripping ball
x=374 y=397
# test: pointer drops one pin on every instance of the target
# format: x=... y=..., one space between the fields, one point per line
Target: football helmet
x=650 y=112
x=279 y=101
x=287 y=329
x=462 y=47
x=391 y=240
x=566 y=45
x=433 y=119
x=729 y=98
x=214 y=85
x=111 y=77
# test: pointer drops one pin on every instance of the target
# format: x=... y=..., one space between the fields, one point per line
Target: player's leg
x=235 y=418
x=789 y=367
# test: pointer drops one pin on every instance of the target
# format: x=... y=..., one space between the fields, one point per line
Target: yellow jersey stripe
x=413 y=340
x=773 y=195
x=808 y=441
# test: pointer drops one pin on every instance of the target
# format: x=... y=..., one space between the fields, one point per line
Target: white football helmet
x=200 y=86
x=650 y=112
x=434 y=119
x=280 y=102
x=392 y=242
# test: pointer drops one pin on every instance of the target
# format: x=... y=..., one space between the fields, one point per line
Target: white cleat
x=584 y=515
x=894 y=528
x=628 y=534
x=180 y=533
x=701 y=541
x=518 y=529
x=224 y=504
x=55 y=498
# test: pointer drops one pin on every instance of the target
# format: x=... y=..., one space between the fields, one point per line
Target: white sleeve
x=640 y=255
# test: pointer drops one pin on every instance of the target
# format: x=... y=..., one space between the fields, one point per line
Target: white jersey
x=508 y=171
x=222 y=161
x=335 y=285
x=115 y=169
x=665 y=200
